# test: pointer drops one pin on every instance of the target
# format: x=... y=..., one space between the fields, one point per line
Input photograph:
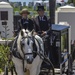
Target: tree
x=71 y=1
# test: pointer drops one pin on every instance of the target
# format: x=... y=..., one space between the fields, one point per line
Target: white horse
x=25 y=48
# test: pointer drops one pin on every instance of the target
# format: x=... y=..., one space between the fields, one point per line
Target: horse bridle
x=33 y=39
x=27 y=43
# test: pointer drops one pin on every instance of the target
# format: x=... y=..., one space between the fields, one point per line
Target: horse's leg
x=39 y=66
x=11 y=70
x=35 y=68
x=15 y=70
x=33 y=71
x=27 y=72
x=18 y=65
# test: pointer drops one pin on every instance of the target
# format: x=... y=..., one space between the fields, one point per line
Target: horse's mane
x=22 y=33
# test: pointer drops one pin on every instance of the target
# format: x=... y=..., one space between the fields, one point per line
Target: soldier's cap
x=24 y=11
x=40 y=8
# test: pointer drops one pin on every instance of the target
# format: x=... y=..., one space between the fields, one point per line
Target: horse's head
x=26 y=44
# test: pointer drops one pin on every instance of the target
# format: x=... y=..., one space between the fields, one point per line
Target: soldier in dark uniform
x=42 y=26
x=25 y=22
x=41 y=21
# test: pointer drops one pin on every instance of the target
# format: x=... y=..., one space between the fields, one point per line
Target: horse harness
x=16 y=54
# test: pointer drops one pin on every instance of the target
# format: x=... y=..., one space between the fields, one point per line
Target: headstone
x=17 y=13
x=20 y=8
x=66 y=14
x=30 y=4
x=71 y=4
x=16 y=5
x=34 y=7
x=24 y=3
x=4 y=0
x=19 y=3
x=6 y=19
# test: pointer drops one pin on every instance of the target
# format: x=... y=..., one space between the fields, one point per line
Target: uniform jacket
x=41 y=24
x=26 y=24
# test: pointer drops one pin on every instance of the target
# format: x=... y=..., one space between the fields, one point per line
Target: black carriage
x=59 y=52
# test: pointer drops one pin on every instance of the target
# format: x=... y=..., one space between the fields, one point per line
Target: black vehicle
x=59 y=54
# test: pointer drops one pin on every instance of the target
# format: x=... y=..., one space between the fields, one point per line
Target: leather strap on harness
x=17 y=54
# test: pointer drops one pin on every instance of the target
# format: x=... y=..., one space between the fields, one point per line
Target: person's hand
x=43 y=33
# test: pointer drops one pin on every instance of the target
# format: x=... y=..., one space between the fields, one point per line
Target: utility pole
x=52 y=7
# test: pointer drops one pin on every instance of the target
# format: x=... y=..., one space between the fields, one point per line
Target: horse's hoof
x=25 y=70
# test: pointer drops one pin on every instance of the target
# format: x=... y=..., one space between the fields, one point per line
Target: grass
x=18 y=8
x=29 y=9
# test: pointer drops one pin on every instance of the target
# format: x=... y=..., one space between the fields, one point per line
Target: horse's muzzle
x=29 y=61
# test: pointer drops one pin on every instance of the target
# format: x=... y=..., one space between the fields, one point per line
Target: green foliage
x=4 y=51
x=18 y=8
x=71 y=1
x=0 y=71
x=63 y=42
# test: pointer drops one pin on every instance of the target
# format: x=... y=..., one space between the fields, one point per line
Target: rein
x=33 y=39
x=24 y=53
x=23 y=60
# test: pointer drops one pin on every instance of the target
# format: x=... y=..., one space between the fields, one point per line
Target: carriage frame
x=64 y=56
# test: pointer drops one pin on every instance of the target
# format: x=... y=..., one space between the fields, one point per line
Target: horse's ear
x=22 y=33
x=32 y=32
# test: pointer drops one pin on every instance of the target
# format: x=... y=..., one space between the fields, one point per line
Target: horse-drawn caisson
x=31 y=57
x=34 y=53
